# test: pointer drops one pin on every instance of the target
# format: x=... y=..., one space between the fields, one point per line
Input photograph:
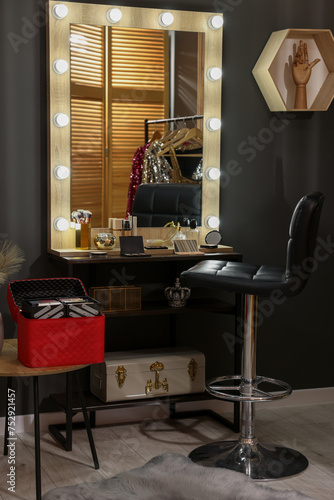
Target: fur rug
x=173 y=477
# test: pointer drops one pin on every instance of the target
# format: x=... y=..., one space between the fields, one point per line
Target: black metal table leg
x=69 y=397
x=87 y=423
x=55 y=429
x=37 y=441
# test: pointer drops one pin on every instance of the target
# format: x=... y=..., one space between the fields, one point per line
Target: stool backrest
x=303 y=234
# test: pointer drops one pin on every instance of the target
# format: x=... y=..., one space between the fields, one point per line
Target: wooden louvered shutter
x=119 y=77
x=139 y=89
x=87 y=120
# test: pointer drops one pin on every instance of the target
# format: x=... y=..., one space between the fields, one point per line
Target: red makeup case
x=55 y=341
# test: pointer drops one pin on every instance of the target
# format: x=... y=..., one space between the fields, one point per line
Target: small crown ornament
x=177 y=295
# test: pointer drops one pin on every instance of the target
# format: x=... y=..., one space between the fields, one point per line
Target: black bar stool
x=258 y=461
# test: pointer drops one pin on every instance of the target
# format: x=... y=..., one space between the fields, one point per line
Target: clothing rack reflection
x=169 y=120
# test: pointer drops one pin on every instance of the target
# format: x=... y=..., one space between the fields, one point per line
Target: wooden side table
x=11 y=367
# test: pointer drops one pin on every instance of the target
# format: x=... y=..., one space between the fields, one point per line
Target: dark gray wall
x=296 y=341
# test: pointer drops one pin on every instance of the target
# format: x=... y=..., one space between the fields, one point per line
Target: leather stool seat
x=250 y=281
x=239 y=277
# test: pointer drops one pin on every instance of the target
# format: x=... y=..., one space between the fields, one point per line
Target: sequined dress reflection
x=135 y=176
x=156 y=169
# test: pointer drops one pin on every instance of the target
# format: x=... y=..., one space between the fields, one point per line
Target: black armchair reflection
x=157 y=204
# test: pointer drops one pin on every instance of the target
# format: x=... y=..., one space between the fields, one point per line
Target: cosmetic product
x=42 y=308
x=82 y=219
x=134 y=225
x=98 y=253
x=185 y=225
x=126 y=227
x=105 y=241
x=193 y=233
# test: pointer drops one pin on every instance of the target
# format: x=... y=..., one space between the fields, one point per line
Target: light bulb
x=211 y=221
x=214 y=73
x=212 y=173
x=213 y=124
x=60 y=66
x=61 y=120
x=166 y=19
x=59 y=11
x=215 y=22
x=61 y=224
x=114 y=15
x=61 y=172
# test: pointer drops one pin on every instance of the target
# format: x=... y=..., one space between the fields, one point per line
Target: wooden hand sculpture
x=301 y=72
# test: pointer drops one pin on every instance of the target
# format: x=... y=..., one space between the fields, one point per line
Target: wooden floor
x=309 y=429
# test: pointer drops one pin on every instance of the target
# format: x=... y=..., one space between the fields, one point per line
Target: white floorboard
x=309 y=429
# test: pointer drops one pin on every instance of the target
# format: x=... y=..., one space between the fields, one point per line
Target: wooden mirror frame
x=59 y=150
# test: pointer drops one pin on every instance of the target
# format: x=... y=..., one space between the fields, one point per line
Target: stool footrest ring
x=235 y=388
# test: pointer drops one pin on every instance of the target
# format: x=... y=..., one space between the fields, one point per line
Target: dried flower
x=11 y=258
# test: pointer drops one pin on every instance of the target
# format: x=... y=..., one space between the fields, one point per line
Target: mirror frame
x=59 y=150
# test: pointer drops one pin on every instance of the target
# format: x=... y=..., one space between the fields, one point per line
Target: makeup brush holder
x=82 y=236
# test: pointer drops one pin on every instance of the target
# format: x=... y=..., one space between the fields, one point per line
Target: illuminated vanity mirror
x=69 y=26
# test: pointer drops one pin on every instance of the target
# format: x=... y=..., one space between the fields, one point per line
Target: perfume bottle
x=179 y=234
x=185 y=225
x=193 y=233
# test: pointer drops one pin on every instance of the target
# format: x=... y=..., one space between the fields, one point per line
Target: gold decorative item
x=105 y=241
x=177 y=295
x=157 y=367
x=148 y=388
x=120 y=375
x=192 y=369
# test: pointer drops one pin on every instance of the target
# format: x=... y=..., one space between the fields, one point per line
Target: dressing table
x=148 y=272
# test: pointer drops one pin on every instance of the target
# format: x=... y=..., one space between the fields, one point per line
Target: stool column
x=248 y=368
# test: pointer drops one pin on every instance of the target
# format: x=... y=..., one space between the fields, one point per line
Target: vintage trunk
x=148 y=373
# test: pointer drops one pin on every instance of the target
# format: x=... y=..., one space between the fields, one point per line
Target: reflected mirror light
x=77 y=43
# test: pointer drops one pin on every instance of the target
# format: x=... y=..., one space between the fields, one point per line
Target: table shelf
x=159 y=307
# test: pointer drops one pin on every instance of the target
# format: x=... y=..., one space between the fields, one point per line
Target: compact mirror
x=213 y=238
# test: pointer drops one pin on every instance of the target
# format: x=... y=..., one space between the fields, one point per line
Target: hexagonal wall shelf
x=273 y=70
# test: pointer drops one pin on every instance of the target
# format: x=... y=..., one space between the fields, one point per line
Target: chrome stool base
x=225 y=388
x=258 y=461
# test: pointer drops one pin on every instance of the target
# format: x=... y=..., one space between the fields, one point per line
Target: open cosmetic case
x=57 y=341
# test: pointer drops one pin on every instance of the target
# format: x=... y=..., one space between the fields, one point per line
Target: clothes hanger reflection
x=189 y=137
x=177 y=137
x=193 y=133
x=169 y=134
x=155 y=136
